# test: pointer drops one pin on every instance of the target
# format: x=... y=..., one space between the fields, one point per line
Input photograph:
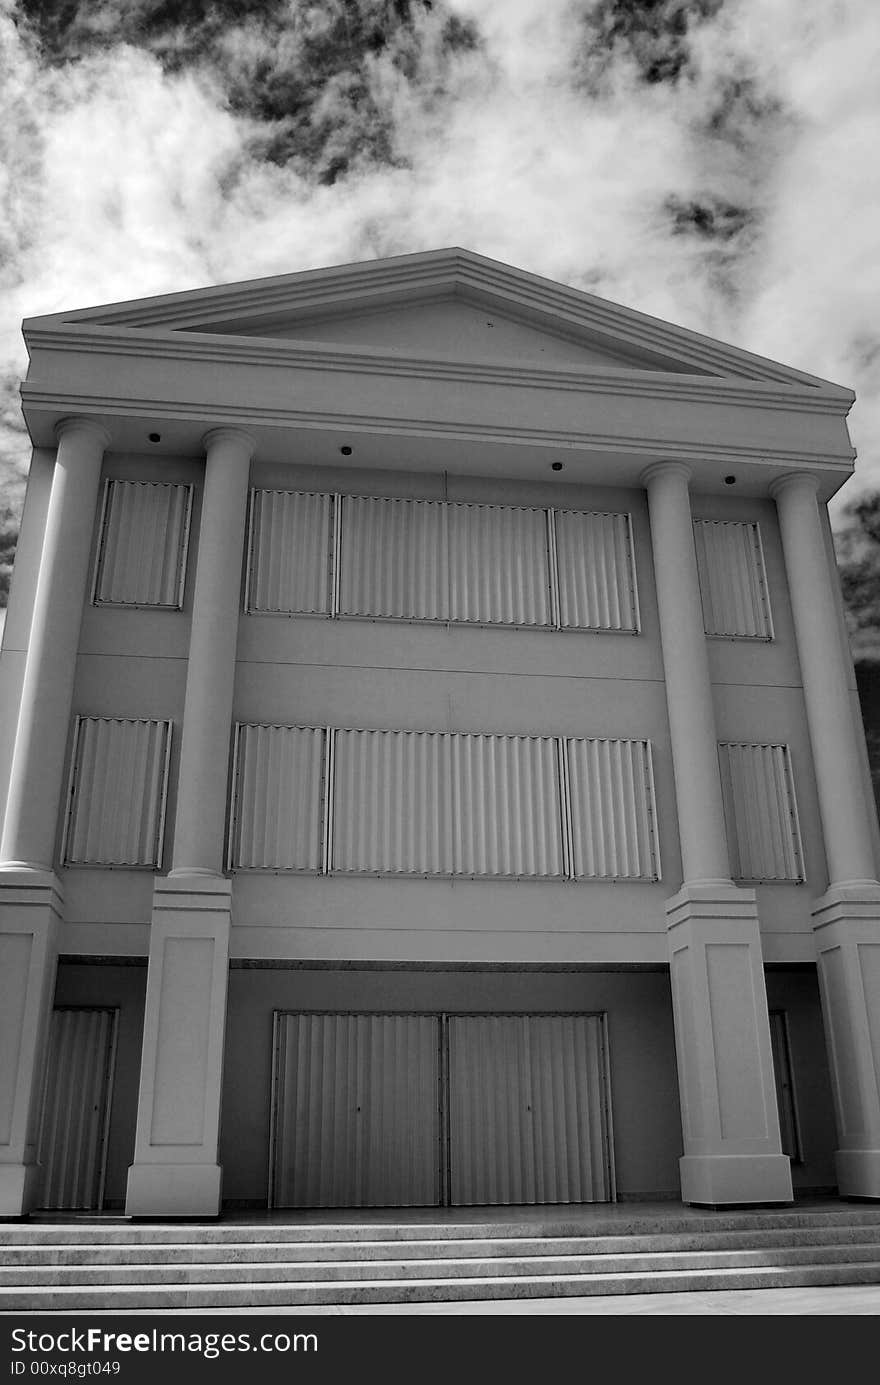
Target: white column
x=31 y=821
x=176 y=1170
x=837 y=756
x=704 y=854
x=207 y=716
x=31 y=903
x=846 y=920
x=730 y=1124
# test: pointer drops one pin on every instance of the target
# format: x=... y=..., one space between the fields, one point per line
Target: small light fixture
x=155 y=437
x=730 y=480
x=555 y=466
x=346 y=451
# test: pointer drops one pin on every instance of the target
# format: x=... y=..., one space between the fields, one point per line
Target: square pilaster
x=31 y=910
x=846 y=926
x=175 y=1170
x=730 y=1122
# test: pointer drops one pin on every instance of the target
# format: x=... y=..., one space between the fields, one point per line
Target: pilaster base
x=722 y=1180
x=846 y=926
x=858 y=1172
x=730 y=1123
x=19 y=1188
x=173 y=1190
x=31 y=908
x=182 y=1055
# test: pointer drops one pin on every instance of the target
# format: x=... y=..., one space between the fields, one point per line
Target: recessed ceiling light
x=555 y=466
x=730 y=480
x=346 y=451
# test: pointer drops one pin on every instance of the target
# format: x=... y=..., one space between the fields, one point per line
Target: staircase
x=101 y=1264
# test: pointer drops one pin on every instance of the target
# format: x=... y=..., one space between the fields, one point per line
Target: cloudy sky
x=713 y=162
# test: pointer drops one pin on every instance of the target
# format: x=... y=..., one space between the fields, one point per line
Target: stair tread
x=306 y=1286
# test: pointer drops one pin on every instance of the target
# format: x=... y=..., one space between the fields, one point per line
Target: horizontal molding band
x=37 y=399
x=311 y=355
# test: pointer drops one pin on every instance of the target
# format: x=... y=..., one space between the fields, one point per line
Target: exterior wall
x=644 y=1090
x=88 y=983
x=399 y=675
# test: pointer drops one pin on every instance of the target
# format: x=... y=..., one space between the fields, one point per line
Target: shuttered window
x=278 y=799
x=435 y=803
x=143 y=544
x=395 y=559
x=597 y=588
x=432 y=560
x=613 y=817
x=760 y=812
x=289 y=553
x=499 y=565
x=733 y=582
x=116 y=799
x=419 y=803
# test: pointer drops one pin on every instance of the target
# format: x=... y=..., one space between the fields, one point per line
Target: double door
x=420 y=1110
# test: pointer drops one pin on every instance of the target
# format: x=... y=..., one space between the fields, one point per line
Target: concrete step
x=548 y=1264
x=233 y=1296
x=196 y=1251
x=91 y=1230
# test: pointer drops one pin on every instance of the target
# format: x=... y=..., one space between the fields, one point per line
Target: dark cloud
x=868 y=683
x=857 y=544
x=653 y=35
x=734 y=121
x=740 y=107
x=710 y=219
x=8 y=541
x=314 y=79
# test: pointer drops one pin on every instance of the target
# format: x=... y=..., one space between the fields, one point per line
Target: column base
x=19 y=1188
x=858 y=1172
x=846 y=926
x=730 y=1123
x=724 y=1180
x=31 y=910
x=173 y=1190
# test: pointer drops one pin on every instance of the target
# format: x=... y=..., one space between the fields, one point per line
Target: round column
x=836 y=753
x=704 y=852
x=47 y=693
x=207 y=717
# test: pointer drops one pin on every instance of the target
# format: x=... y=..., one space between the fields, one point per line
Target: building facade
x=431 y=756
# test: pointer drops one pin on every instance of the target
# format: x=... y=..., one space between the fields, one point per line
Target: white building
x=434 y=768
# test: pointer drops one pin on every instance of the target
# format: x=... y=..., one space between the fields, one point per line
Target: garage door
x=527 y=1110
x=75 y=1119
x=356 y=1119
x=391 y=1110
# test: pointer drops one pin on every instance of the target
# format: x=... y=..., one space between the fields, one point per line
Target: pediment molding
x=185 y=323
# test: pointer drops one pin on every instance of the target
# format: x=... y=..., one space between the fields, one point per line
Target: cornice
x=226 y=414
x=319 y=356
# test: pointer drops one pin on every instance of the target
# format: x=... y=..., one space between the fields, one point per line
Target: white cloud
x=126 y=180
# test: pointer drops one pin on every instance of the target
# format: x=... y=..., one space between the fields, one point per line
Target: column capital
x=792 y=480
x=65 y=427
x=657 y=469
x=233 y=435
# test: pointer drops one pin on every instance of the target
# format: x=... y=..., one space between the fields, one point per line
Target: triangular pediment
x=443 y=304
x=453 y=327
